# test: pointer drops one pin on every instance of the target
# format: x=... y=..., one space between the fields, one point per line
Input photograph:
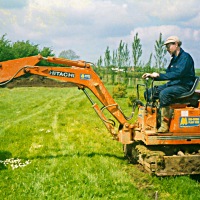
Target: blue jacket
x=180 y=71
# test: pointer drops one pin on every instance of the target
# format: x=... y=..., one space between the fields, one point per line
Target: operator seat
x=189 y=98
x=187 y=94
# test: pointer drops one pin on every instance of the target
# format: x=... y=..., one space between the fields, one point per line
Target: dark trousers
x=166 y=94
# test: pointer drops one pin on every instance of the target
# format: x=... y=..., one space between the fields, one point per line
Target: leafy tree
x=113 y=66
x=160 y=52
x=5 y=49
x=126 y=56
x=136 y=50
x=100 y=62
x=19 y=49
x=107 y=60
x=114 y=58
x=99 y=68
x=147 y=67
x=24 y=49
x=46 y=51
x=68 y=54
x=120 y=56
x=113 y=73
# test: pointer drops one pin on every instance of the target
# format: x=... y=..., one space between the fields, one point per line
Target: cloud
x=149 y=35
x=167 y=30
x=89 y=26
x=170 y=11
x=194 y=22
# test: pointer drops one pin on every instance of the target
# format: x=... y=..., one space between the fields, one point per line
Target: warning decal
x=85 y=76
x=189 y=121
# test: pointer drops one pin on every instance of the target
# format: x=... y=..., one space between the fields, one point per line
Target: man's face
x=172 y=48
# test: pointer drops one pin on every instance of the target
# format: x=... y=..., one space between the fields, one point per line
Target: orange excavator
x=164 y=154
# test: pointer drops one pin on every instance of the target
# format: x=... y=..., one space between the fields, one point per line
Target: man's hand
x=153 y=75
x=146 y=75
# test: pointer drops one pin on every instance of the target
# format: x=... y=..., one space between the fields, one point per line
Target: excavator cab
x=186 y=100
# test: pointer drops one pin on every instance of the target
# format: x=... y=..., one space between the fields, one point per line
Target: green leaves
x=160 y=52
x=20 y=49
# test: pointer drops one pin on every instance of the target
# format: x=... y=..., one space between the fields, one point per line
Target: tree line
x=13 y=50
x=123 y=57
x=121 y=62
x=125 y=63
x=20 y=49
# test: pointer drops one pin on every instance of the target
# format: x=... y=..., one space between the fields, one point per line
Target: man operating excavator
x=180 y=75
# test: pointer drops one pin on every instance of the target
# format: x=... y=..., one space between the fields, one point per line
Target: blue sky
x=89 y=26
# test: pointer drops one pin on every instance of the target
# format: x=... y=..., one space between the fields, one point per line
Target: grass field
x=66 y=152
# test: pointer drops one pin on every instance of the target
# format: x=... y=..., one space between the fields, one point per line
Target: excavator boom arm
x=78 y=73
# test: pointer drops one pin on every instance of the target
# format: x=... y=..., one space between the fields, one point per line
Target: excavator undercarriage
x=165 y=160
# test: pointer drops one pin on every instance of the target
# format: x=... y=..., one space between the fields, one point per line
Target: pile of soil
x=36 y=81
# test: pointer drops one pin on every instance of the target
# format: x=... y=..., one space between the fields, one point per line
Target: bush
x=131 y=98
x=119 y=91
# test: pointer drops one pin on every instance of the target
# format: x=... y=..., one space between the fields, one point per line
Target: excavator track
x=165 y=160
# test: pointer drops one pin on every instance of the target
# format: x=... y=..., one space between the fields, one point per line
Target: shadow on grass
x=195 y=177
x=90 y=155
x=3 y=156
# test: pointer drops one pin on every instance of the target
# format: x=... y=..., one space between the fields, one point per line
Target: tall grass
x=70 y=152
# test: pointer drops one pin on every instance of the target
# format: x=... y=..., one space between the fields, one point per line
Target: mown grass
x=72 y=155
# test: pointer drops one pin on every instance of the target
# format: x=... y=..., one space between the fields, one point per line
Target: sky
x=88 y=26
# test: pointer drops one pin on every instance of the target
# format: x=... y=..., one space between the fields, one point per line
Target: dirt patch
x=36 y=81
